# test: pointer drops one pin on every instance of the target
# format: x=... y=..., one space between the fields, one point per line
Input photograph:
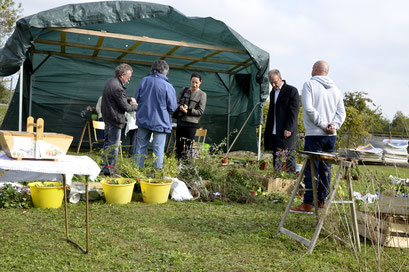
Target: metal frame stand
x=86 y=250
x=343 y=165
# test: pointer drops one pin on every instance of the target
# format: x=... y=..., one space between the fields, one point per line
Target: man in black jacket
x=282 y=120
x=114 y=105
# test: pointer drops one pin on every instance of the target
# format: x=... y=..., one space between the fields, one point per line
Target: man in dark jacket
x=113 y=107
x=282 y=120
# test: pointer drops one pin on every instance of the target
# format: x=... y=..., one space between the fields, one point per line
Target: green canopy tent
x=66 y=54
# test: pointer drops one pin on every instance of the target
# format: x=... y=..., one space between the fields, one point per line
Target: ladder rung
x=304 y=190
x=342 y=202
x=295 y=236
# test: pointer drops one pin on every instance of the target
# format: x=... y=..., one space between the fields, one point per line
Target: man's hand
x=132 y=101
x=330 y=128
x=183 y=108
x=287 y=134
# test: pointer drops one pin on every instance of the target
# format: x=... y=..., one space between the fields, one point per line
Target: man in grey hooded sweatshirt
x=323 y=115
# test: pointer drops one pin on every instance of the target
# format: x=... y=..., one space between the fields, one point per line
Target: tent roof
x=132 y=32
x=69 y=51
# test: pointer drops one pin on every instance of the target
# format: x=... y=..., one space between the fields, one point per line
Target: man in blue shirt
x=156 y=100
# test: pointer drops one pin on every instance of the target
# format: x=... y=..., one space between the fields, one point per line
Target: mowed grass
x=3 y=110
x=185 y=236
x=176 y=236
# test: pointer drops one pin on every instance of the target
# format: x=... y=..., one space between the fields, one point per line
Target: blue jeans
x=112 y=136
x=142 y=140
x=322 y=169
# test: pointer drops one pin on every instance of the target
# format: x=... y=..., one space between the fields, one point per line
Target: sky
x=365 y=42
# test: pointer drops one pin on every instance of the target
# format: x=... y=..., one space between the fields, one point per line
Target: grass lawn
x=186 y=236
x=3 y=110
x=176 y=236
x=179 y=236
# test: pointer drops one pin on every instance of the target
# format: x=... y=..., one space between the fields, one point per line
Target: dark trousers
x=184 y=139
x=112 y=136
x=290 y=162
x=322 y=169
x=132 y=142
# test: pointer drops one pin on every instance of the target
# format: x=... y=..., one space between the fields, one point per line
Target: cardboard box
x=279 y=185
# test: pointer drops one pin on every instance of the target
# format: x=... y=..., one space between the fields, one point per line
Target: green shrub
x=11 y=198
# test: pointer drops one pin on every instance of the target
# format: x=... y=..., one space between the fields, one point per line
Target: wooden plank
x=245 y=63
x=45 y=52
x=384 y=240
x=135 y=45
x=170 y=52
x=99 y=43
x=394 y=205
x=383 y=224
x=63 y=37
x=383 y=232
x=146 y=39
x=204 y=58
x=131 y=51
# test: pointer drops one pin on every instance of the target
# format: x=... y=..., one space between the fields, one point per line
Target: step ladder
x=345 y=165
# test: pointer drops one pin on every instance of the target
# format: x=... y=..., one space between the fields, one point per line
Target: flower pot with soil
x=155 y=190
x=47 y=194
x=118 y=190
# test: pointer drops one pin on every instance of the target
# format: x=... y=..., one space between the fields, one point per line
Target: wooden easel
x=86 y=125
x=343 y=165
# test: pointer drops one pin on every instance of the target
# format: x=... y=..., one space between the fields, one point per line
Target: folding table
x=67 y=166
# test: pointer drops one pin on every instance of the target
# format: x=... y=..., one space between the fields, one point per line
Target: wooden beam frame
x=146 y=63
x=144 y=53
x=145 y=39
x=138 y=40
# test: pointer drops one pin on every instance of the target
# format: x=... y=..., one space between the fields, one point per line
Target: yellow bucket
x=155 y=191
x=46 y=197
x=120 y=193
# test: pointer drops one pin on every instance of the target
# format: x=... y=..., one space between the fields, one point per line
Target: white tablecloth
x=27 y=170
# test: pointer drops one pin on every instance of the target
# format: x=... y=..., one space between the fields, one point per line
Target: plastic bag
x=179 y=191
x=77 y=193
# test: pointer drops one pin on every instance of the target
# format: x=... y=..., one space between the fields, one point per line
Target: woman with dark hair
x=191 y=106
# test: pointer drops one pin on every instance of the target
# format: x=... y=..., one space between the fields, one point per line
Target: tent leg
x=259 y=142
x=20 y=107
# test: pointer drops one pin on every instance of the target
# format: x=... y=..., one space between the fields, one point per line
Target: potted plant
x=155 y=190
x=263 y=165
x=118 y=190
x=47 y=194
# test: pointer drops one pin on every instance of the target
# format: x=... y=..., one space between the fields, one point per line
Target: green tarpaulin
x=69 y=52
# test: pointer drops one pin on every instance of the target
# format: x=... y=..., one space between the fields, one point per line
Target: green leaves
x=11 y=198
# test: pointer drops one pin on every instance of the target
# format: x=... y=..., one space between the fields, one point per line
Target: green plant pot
x=94 y=117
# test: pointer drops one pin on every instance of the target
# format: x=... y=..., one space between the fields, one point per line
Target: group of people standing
x=151 y=109
x=155 y=104
x=323 y=115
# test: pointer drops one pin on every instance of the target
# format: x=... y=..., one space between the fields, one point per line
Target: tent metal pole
x=259 y=142
x=20 y=107
x=242 y=127
x=228 y=120
x=30 y=100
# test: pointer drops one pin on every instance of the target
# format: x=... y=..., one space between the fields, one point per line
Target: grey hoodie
x=322 y=104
